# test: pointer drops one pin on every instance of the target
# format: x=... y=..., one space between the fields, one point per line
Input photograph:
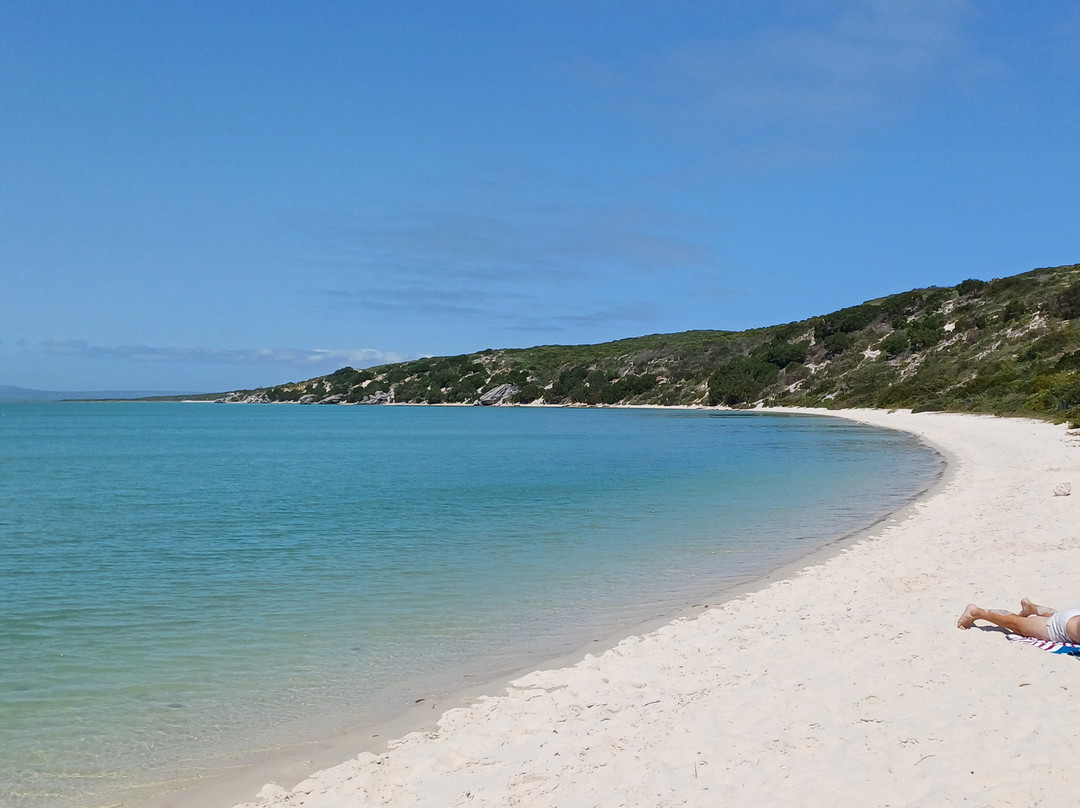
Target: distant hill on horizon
x=1008 y=346
x=15 y=395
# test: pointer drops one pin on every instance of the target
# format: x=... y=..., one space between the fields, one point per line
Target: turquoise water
x=182 y=585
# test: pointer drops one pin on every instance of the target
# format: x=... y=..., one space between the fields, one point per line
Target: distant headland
x=1009 y=346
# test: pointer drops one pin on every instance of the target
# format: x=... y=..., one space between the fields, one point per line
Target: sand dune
x=847 y=683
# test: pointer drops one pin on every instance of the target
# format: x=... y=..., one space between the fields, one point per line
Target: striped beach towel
x=1072 y=649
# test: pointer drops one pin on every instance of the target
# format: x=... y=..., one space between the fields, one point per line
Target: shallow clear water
x=182 y=584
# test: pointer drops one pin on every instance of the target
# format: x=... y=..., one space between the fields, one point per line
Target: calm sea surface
x=182 y=585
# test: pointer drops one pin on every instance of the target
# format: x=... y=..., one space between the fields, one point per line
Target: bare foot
x=967 y=619
x=1027 y=609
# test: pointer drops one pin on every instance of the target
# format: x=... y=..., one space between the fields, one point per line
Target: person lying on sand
x=1033 y=620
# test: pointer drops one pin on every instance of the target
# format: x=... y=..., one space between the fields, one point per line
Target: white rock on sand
x=845 y=685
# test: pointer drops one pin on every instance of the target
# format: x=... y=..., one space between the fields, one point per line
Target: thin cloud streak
x=520 y=270
x=296 y=357
x=796 y=92
x=541 y=245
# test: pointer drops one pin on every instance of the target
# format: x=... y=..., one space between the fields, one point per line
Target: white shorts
x=1055 y=626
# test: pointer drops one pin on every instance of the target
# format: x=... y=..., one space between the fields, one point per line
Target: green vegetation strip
x=1010 y=346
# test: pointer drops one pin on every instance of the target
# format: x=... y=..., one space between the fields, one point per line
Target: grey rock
x=381 y=397
x=251 y=398
x=499 y=395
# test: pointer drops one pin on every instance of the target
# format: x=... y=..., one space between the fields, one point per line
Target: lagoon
x=183 y=586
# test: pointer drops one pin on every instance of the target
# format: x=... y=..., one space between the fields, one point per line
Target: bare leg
x=1027 y=608
x=1031 y=625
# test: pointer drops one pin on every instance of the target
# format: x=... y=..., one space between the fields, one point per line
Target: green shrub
x=782 y=354
x=902 y=303
x=1014 y=309
x=528 y=393
x=838 y=342
x=740 y=381
x=1067 y=304
x=894 y=344
x=1069 y=361
x=1072 y=417
x=632 y=385
x=853 y=318
x=970 y=286
x=398 y=373
x=1047 y=345
x=999 y=285
x=926 y=332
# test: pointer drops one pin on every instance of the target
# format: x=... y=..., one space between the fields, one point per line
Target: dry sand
x=847 y=684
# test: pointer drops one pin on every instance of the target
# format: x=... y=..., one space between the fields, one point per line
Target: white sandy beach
x=847 y=684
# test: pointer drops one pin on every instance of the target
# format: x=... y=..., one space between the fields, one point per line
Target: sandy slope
x=847 y=684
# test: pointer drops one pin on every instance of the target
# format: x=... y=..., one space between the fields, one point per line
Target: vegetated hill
x=1008 y=346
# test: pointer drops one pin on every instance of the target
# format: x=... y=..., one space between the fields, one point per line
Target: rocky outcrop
x=499 y=395
x=381 y=397
x=246 y=398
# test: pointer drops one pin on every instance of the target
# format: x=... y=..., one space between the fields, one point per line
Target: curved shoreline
x=842 y=683
x=291 y=767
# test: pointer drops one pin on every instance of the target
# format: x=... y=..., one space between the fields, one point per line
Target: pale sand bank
x=846 y=684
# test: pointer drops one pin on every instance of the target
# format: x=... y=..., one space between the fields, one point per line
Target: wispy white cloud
x=526 y=268
x=540 y=244
x=799 y=87
x=294 y=357
x=587 y=318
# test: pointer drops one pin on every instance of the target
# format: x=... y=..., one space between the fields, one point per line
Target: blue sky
x=216 y=195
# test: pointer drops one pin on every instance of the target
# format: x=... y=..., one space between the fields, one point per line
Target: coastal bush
x=466 y=388
x=838 y=342
x=926 y=332
x=989 y=381
x=397 y=373
x=783 y=353
x=740 y=381
x=596 y=389
x=1013 y=310
x=902 y=303
x=1000 y=285
x=632 y=385
x=970 y=286
x=570 y=385
x=1066 y=305
x=964 y=323
x=788 y=331
x=1069 y=361
x=854 y=318
x=1047 y=345
x=864 y=382
x=340 y=382
x=934 y=297
x=795 y=372
x=895 y=344
x=925 y=385
x=985 y=363
x=528 y=393
x=515 y=376
x=412 y=390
